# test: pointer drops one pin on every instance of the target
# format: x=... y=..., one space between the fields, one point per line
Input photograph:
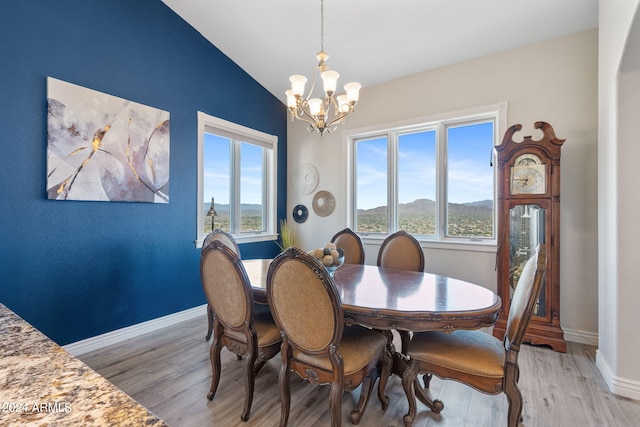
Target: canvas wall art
x=104 y=148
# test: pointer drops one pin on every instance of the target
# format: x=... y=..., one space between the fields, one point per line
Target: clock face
x=527 y=160
x=528 y=179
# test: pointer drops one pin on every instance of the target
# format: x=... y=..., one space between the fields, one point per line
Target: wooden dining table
x=384 y=298
x=387 y=299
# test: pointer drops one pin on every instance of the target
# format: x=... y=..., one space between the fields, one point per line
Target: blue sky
x=470 y=176
x=216 y=166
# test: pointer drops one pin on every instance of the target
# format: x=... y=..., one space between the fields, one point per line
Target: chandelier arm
x=341 y=116
x=304 y=119
x=309 y=118
x=313 y=83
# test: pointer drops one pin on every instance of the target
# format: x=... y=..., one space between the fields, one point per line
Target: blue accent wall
x=79 y=269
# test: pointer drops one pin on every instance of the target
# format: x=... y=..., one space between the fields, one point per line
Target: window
x=431 y=177
x=237 y=172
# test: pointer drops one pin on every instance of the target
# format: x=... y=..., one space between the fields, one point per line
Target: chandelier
x=317 y=111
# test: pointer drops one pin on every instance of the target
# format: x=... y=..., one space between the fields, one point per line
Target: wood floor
x=168 y=371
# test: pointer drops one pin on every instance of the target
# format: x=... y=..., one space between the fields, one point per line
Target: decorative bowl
x=332 y=268
x=330 y=256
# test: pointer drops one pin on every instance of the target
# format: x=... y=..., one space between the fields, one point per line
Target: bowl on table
x=329 y=256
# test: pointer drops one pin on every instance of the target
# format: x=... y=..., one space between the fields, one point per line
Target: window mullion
x=265 y=186
x=441 y=181
x=392 y=185
x=235 y=196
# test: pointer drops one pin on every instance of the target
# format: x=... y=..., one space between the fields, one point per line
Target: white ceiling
x=374 y=41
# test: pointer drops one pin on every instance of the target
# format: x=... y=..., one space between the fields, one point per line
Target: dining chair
x=476 y=358
x=316 y=344
x=235 y=326
x=227 y=239
x=401 y=251
x=351 y=244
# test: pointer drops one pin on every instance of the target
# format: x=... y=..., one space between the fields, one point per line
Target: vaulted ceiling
x=373 y=41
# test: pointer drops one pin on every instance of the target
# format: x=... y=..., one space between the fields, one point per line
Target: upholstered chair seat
x=267 y=331
x=470 y=352
x=358 y=347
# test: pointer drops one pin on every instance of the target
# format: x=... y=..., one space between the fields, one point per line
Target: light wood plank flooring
x=168 y=371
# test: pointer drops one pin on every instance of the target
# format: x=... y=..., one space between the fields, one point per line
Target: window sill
x=246 y=238
x=451 y=245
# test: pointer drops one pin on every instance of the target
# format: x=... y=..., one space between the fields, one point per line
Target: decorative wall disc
x=300 y=213
x=305 y=178
x=323 y=203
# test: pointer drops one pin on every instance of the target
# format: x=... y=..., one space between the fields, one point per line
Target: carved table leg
x=435 y=405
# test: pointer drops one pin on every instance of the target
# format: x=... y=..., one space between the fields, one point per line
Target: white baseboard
x=617 y=385
x=582 y=337
x=119 y=335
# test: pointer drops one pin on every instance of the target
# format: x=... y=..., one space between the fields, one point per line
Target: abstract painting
x=104 y=148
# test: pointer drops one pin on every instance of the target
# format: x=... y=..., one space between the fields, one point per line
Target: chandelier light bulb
x=343 y=104
x=353 y=92
x=330 y=81
x=291 y=99
x=315 y=106
x=297 y=84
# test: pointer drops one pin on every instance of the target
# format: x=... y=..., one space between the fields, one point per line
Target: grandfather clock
x=529 y=214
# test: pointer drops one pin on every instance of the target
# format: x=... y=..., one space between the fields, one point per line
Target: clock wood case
x=528 y=215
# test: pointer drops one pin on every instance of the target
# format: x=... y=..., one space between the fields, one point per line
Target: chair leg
x=335 y=400
x=214 y=355
x=365 y=393
x=514 y=397
x=249 y=372
x=210 y=322
x=258 y=366
x=284 y=382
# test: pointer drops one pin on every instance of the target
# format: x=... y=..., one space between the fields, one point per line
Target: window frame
x=497 y=112
x=211 y=124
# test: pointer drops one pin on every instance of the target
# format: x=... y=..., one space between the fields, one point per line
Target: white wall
x=554 y=81
x=618 y=233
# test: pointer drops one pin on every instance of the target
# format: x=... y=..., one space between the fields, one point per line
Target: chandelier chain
x=321 y=25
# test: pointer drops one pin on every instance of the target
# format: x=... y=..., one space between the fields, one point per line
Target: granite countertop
x=41 y=384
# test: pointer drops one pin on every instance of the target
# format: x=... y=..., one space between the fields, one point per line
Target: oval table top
x=397 y=299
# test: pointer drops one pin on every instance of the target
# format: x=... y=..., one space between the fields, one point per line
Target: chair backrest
x=524 y=298
x=351 y=245
x=226 y=285
x=224 y=237
x=401 y=251
x=304 y=302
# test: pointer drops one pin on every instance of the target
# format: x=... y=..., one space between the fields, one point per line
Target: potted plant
x=287 y=237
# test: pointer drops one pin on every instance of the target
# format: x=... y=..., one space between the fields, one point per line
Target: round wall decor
x=300 y=213
x=305 y=178
x=323 y=203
